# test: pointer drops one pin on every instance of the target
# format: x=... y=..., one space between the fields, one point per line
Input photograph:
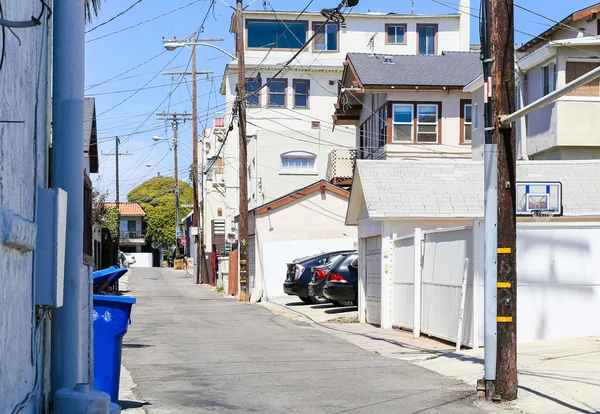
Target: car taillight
x=321 y=274
x=337 y=278
x=299 y=271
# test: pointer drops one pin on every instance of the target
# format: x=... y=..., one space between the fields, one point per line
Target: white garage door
x=251 y=261
x=373 y=291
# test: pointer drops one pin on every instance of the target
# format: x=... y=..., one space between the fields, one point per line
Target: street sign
x=183 y=241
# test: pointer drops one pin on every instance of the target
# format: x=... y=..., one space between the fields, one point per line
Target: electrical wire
x=143 y=22
x=114 y=17
x=3 y=53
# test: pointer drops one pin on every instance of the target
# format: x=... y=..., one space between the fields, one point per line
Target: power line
x=141 y=23
x=114 y=17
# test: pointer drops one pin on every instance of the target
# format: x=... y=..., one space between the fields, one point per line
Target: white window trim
x=298 y=171
x=404 y=28
x=412 y=124
x=467 y=124
x=552 y=78
x=437 y=129
x=325 y=36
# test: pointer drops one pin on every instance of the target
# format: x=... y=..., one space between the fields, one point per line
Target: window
x=427 y=39
x=327 y=38
x=298 y=161
x=577 y=69
x=466 y=117
x=382 y=126
x=253 y=85
x=275 y=34
x=402 y=120
x=396 y=34
x=301 y=93
x=278 y=92
x=548 y=79
x=427 y=123
x=474 y=116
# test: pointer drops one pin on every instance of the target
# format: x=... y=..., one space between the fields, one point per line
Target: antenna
x=412 y=6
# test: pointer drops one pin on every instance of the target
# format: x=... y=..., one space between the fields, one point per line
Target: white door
x=251 y=261
x=373 y=285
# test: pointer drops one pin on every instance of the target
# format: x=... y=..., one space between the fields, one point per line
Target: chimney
x=464 y=8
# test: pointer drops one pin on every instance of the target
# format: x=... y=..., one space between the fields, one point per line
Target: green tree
x=157 y=197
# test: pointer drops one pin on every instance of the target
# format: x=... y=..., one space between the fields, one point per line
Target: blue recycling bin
x=111 y=318
x=107 y=277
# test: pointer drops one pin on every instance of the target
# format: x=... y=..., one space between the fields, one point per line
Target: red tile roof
x=128 y=209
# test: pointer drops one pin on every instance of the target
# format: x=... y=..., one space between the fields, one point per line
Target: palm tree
x=91 y=9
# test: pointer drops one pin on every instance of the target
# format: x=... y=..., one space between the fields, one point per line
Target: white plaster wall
x=23 y=82
x=478 y=134
x=313 y=217
x=450 y=145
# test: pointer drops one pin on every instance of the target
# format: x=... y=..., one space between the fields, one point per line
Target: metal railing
x=132 y=235
x=340 y=165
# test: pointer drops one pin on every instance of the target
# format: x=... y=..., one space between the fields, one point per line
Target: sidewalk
x=555 y=376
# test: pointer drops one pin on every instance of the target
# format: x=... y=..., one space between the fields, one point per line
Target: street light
x=158 y=165
x=172 y=45
x=157 y=138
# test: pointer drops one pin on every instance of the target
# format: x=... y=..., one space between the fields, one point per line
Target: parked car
x=341 y=282
x=299 y=275
x=126 y=259
x=319 y=275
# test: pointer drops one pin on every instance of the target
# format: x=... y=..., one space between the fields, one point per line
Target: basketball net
x=542 y=216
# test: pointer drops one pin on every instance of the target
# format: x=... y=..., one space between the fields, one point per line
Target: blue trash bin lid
x=116 y=299
x=111 y=274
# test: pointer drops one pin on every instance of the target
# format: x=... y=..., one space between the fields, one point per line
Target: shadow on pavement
x=556 y=400
x=127 y=405
x=136 y=346
x=341 y=310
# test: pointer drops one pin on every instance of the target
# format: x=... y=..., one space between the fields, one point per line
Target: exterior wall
x=449 y=146
x=313 y=217
x=478 y=134
x=24 y=352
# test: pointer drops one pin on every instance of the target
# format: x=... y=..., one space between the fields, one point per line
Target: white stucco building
x=290 y=132
x=566 y=129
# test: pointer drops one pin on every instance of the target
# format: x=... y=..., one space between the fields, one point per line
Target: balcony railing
x=340 y=166
x=132 y=235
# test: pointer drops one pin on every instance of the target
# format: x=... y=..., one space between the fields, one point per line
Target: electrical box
x=50 y=247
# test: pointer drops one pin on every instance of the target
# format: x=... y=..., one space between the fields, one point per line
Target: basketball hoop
x=542 y=216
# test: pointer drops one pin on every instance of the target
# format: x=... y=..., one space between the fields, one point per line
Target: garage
x=373 y=282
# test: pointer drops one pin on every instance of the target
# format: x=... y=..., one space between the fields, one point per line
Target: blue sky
x=117 y=53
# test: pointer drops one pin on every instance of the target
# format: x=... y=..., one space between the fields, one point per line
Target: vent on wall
x=331 y=82
x=316 y=124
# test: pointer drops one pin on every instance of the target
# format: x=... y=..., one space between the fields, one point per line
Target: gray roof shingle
x=448 y=69
x=454 y=188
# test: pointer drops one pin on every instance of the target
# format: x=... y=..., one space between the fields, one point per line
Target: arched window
x=298 y=161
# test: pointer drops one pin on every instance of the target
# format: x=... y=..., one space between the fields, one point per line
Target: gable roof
x=578 y=15
x=297 y=194
x=454 y=188
x=90 y=137
x=450 y=69
x=128 y=209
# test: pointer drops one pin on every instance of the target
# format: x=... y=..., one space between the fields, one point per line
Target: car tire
x=343 y=303
x=306 y=299
x=316 y=300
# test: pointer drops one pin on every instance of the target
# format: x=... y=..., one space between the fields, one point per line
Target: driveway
x=189 y=350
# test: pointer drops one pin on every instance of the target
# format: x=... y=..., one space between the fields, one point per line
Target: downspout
x=523 y=121
x=70 y=324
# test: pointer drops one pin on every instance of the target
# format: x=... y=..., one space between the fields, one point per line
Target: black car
x=341 y=283
x=299 y=274
x=319 y=274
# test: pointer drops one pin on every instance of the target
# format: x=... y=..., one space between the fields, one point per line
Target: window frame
x=294 y=83
x=437 y=124
x=285 y=92
x=415 y=104
x=463 y=123
x=388 y=25
x=299 y=154
x=412 y=124
x=581 y=91
x=287 y=22
x=435 y=38
x=259 y=80
x=314 y=42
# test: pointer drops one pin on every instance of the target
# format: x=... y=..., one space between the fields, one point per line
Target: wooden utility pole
x=117 y=154
x=503 y=103
x=175 y=119
x=243 y=158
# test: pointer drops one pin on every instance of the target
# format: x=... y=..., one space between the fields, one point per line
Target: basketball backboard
x=534 y=197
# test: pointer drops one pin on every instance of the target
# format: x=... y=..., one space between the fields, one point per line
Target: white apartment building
x=566 y=129
x=290 y=127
